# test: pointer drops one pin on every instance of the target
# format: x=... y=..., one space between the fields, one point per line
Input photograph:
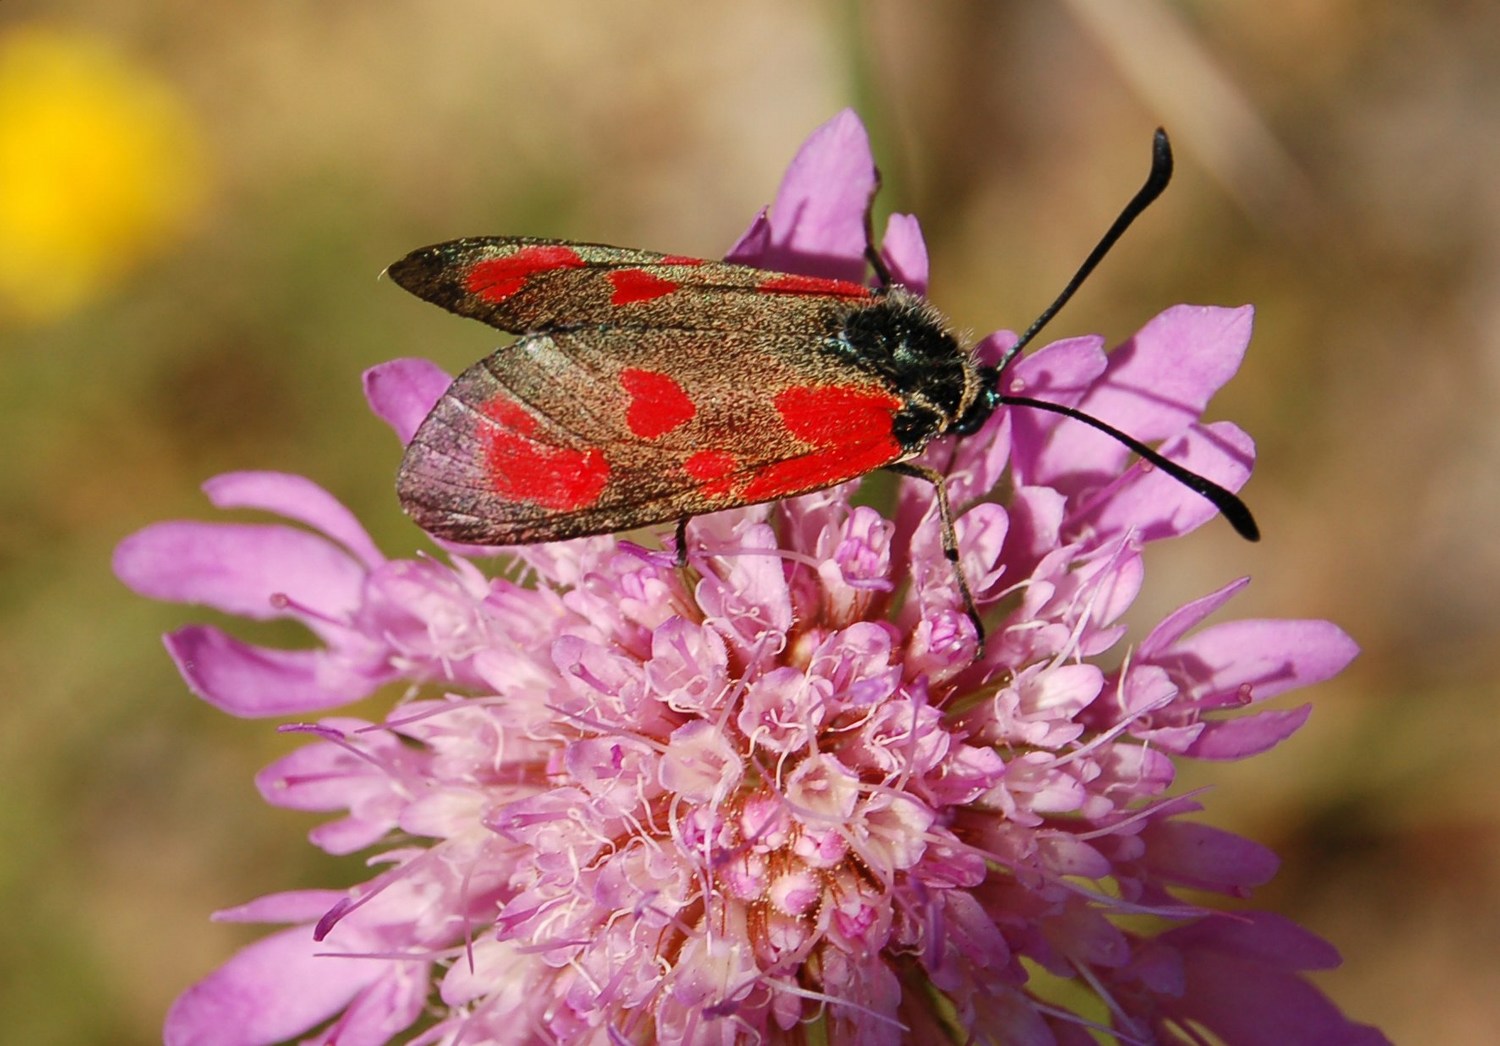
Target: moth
x=649 y=388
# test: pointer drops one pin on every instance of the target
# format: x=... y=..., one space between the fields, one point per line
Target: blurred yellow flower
x=100 y=165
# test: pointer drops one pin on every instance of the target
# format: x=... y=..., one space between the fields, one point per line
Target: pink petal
x=905 y=252
x=818 y=219
x=971 y=930
x=989 y=349
x=1152 y=504
x=271 y=990
x=1261 y=936
x=384 y=1010
x=1156 y=384
x=252 y=681
x=1153 y=386
x=744 y=596
x=1258 y=659
x=289 y=906
x=699 y=763
x=1202 y=857
x=239 y=567
x=298 y=498
x=1113 y=587
x=1035 y=520
x=981 y=535
x=1058 y=373
x=403 y=392
x=330 y=777
x=1174 y=739
x=1161 y=379
x=320 y=776
x=754 y=241
x=348 y=835
x=1247 y=735
x=1002 y=1007
x=1250 y=1004
x=1174 y=625
x=1242 y=987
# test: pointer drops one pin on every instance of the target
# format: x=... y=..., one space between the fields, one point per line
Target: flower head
x=627 y=802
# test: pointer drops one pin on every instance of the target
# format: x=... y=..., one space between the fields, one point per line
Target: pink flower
x=627 y=803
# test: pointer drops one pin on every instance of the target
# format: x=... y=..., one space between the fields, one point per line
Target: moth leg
x=682 y=541
x=950 y=538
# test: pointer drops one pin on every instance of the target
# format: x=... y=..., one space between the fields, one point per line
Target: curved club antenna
x=1226 y=501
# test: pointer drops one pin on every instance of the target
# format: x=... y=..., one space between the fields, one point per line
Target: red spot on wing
x=508 y=414
x=713 y=470
x=786 y=283
x=638 y=285
x=658 y=405
x=819 y=469
x=706 y=465
x=521 y=469
x=849 y=429
x=496 y=279
x=824 y=415
x=681 y=259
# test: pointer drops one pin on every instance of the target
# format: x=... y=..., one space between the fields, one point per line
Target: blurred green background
x=196 y=199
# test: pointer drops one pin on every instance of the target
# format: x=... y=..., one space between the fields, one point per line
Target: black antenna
x=1226 y=501
x=1156 y=181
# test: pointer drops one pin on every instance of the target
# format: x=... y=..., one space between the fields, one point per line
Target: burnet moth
x=649 y=388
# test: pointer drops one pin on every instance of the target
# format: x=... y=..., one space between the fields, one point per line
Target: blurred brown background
x=199 y=294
